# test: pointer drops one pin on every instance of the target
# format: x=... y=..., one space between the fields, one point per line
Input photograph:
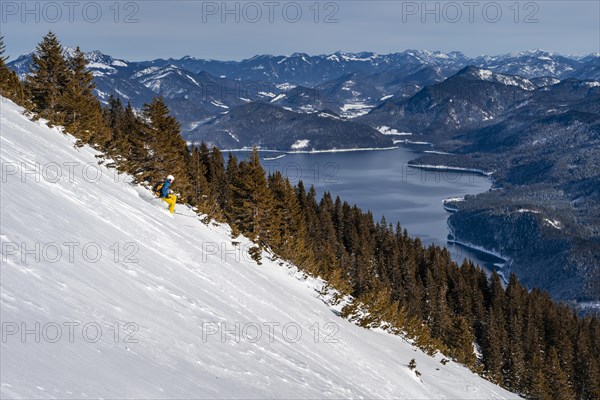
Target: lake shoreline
x=381 y=182
x=245 y=149
x=447 y=168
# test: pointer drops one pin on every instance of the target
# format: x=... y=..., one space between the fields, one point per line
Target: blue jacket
x=164 y=192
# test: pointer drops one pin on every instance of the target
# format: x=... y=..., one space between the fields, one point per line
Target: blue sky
x=137 y=30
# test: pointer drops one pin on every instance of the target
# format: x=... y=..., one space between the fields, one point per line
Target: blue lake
x=382 y=182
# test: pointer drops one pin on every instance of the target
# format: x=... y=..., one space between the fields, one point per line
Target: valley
x=529 y=120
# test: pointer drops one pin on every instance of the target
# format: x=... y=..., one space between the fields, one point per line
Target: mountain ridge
x=267 y=78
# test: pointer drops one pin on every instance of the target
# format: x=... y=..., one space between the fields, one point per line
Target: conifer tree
x=329 y=264
x=539 y=387
x=197 y=171
x=216 y=194
x=204 y=153
x=492 y=347
x=82 y=111
x=287 y=217
x=10 y=85
x=560 y=387
x=462 y=342
x=169 y=151
x=114 y=116
x=232 y=176
x=48 y=79
x=138 y=160
x=586 y=372
x=252 y=201
x=218 y=179
x=514 y=359
x=279 y=215
x=3 y=58
x=337 y=280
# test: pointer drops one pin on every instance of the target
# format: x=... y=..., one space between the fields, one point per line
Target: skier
x=162 y=190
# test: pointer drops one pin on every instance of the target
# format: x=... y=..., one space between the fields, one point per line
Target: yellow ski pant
x=170 y=200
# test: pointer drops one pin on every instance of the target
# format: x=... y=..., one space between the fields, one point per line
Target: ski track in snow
x=170 y=293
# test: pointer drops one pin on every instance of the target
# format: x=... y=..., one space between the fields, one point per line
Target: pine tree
x=514 y=358
x=48 y=79
x=3 y=58
x=539 y=388
x=10 y=85
x=137 y=158
x=534 y=348
x=279 y=217
x=252 y=201
x=560 y=386
x=204 y=153
x=338 y=281
x=287 y=216
x=218 y=178
x=82 y=111
x=586 y=369
x=492 y=347
x=321 y=237
x=197 y=172
x=232 y=175
x=114 y=117
x=167 y=148
x=462 y=342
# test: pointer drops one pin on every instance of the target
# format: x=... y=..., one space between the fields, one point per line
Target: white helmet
x=170 y=178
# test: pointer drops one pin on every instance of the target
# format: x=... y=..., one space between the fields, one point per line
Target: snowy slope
x=175 y=295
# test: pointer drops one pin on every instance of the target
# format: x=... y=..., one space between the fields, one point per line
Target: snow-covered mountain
x=273 y=128
x=349 y=84
x=106 y=295
x=307 y=70
x=350 y=95
x=531 y=64
x=487 y=75
x=471 y=98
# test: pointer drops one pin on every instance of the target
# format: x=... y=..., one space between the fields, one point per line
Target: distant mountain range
x=348 y=85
